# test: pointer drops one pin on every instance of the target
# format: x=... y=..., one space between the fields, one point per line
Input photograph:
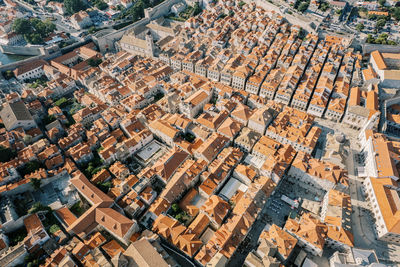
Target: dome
x=340 y=138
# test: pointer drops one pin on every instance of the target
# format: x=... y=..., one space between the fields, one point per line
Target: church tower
x=150 y=43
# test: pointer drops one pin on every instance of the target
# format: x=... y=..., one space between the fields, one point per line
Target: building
x=362 y=112
x=338 y=4
x=37 y=234
x=392 y=121
x=247 y=139
x=209 y=150
x=31 y=70
x=260 y=120
x=354 y=257
x=100 y=213
x=143 y=253
x=336 y=214
x=192 y=105
x=60 y=257
x=216 y=210
x=164 y=131
x=242 y=114
x=387 y=66
x=310 y=232
x=177 y=234
x=321 y=175
x=379 y=156
x=373 y=5
x=169 y=163
x=11 y=38
x=81 y=20
x=245 y=174
x=282 y=240
x=383 y=196
x=138 y=44
x=15 y=115
x=230 y=128
x=294 y=127
x=80 y=153
x=219 y=171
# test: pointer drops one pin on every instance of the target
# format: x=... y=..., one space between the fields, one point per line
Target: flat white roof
x=148 y=151
x=254 y=161
x=231 y=187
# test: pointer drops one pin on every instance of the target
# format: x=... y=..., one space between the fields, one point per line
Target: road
x=362 y=219
x=178 y=256
x=251 y=240
x=61 y=25
x=44 y=15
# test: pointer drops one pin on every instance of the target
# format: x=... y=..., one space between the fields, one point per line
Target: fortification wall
x=22 y=50
x=368 y=48
x=160 y=10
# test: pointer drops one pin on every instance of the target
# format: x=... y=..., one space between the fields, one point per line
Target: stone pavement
x=362 y=220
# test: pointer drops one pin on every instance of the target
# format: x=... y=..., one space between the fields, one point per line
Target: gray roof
x=54 y=124
x=367 y=256
x=133 y=41
x=359 y=110
x=14 y=112
x=142 y=253
x=309 y=263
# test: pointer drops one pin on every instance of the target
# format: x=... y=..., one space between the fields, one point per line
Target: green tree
x=138 y=10
x=21 y=26
x=395 y=13
x=30 y=167
x=77 y=209
x=382 y=2
x=105 y=186
x=27 y=139
x=179 y=217
x=382 y=39
x=6 y=154
x=73 y=6
x=303 y=7
x=380 y=23
x=94 y=62
x=370 y=39
x=324 y=6
x=38 y=207
x=175 y=208
x=62 y=102
x=363 y=9
x=48 y=119
x=92 y=30
x=197 y=9
x=101 y=5
x=54 y=228
x=36 y=183
x=8 y=74
x=33 y=38
x=33 y=30
x=360 y=27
